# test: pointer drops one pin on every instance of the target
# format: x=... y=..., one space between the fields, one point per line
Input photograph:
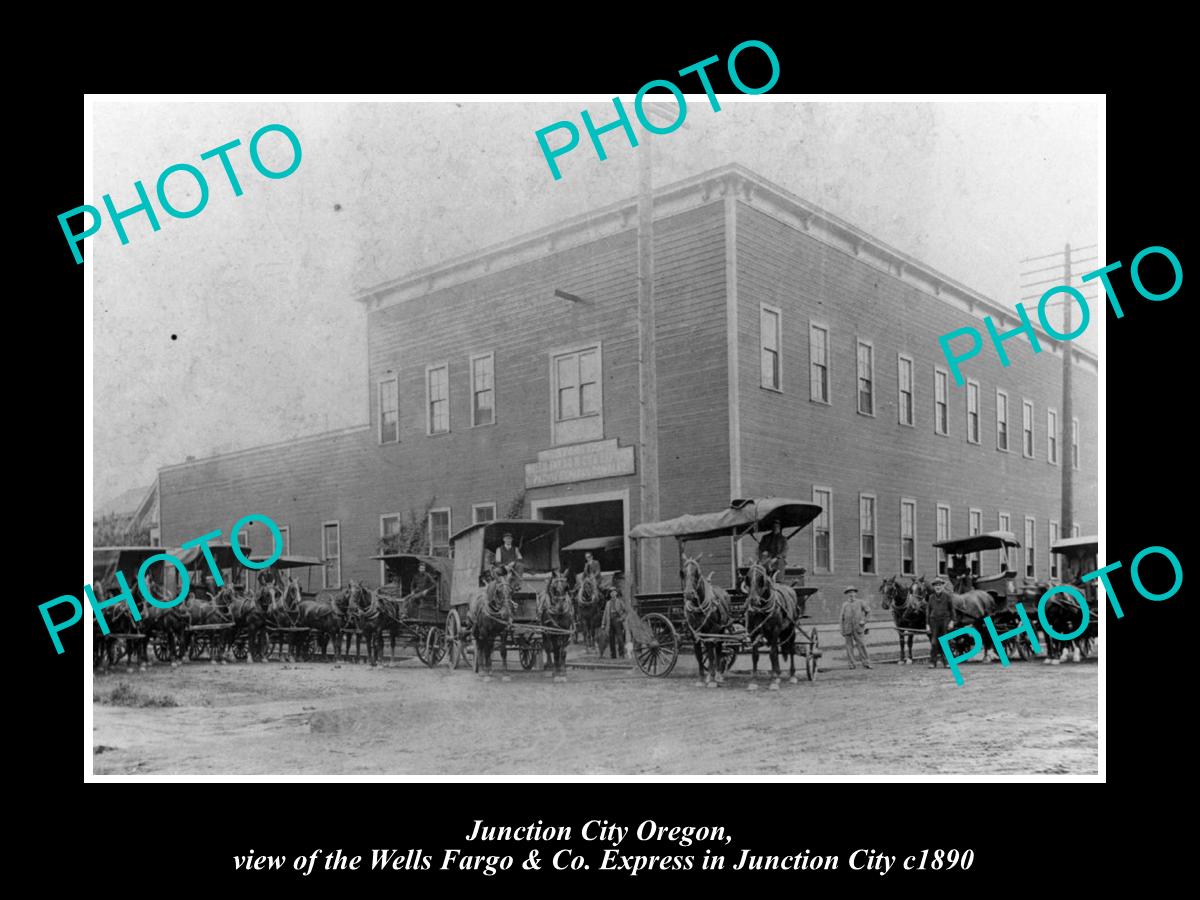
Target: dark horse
x=327 y=615
x=491 y=615
x=771 y=617
x=250 y=620
x=969 y=608
x=373 y=618
x=590 y=608
x=707 y=611
x=556 y=613
x=1064 y=614
x=905 y=597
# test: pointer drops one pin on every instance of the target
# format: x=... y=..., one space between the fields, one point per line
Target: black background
x=1041 y=837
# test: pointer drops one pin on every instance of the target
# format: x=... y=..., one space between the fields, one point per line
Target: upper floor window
x=769 y=333
x=973 y=412
x=866 y=378
x=1075 y=443
x=1030 y=547
x=905 y=401
x=389 y=411
x=483 y=389
x=437 y=399
x=1001 y=420
x=818 y=352
x=1027 y=428
x=577 y=398
x=941 y=401
x=483 y=512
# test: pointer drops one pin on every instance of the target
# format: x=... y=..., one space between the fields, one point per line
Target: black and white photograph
x=564 y=438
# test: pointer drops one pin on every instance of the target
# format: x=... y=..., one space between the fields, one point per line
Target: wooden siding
x=791 y=443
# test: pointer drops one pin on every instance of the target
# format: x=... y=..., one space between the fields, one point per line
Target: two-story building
x=792 y=355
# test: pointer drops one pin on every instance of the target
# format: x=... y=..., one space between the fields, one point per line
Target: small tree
x=516 y=507
x=413 y=536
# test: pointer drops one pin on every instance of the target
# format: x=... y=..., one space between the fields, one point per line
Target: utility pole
x=1066 y=447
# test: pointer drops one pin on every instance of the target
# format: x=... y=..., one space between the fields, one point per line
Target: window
x=908 y=537
x=285 y=534
x=437 y=399
x=818 y=352
x=1005 y=524
x=943 y=534
x=973 y=412
x=769 y=332
x=439 y=532
x=941 y=402
x=483 y=389
x=1027 y=429
x=331 y=553
x=576 y=395
x=1053 y=555
x=975 y=526
x=1030 y=547
x=483 y=512
x=389 y=411
x=905 y=378
x=866 y=533
x=1074 y=443
x=823 y=531
x=866 y=378
x=1052 y=437
x=1001 y=420
x=389 y=527
x=1075 y=530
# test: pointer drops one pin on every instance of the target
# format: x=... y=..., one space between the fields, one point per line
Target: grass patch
x=126 y=695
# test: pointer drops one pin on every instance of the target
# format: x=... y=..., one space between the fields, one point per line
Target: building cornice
x=748 y=188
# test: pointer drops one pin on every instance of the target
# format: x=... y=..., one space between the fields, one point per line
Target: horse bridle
x=707 y=602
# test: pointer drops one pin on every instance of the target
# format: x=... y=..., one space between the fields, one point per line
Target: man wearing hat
x=591 y=566
x=855 y=613
x=423 y=583
x=507 y=555
x=774 y=547
x=938 y=611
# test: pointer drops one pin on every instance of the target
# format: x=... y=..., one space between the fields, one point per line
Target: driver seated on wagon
x=508 y=561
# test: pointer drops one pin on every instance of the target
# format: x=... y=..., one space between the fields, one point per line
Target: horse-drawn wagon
x=526 y=607
x=409 y=611
x=1080 y=556
x=761 y=607
x=126 y=638
x=278 y=596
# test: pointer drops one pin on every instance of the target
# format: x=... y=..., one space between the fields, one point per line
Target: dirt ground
x=324 y=719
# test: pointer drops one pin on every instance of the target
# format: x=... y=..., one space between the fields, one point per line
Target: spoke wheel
x=454 y=639
x=658 y=657
x=435 y=647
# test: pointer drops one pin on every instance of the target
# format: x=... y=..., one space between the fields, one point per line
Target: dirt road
x=321 y=719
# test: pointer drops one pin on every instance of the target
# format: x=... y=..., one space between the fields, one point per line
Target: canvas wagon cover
x=406 y=564
x=106 y=561
x=740 y=517
x=976 y=543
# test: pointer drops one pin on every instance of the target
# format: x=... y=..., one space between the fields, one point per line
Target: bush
x=125 y=695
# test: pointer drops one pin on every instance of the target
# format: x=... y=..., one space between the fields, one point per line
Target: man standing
x=613 y=624
x=855 y=613
x=937 y=614
x=775 y=547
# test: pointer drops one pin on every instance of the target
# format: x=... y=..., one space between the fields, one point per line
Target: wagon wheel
x=421 y=641
x=658 y=657
x=1024 y=650
x=453 y=640
x=812 y=656
x=195 y=648
x=239 y=650
x=434 y=647
x=529 y=654
x=161 y=650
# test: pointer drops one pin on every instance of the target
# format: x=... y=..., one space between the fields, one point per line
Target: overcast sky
x=256 y=289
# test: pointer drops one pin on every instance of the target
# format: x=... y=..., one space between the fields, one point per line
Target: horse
x=171 y=623
x=556 y=612
x=707 y=610
x=969 y=608
x=771 y=611
x=120 y=621
x=905 y=598
x=203 y=609
x=326 y=615
x=283 y=611
x=250 y=619
x=373 y=617
x=589 y=608
x=491 y=615
x=1064 y=615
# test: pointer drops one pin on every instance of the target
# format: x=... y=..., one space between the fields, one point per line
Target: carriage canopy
x=741 y=517
x=222 y=554
x=106 y=561
x=537 y=539
x=977 y=543
x=1077 y=547
x=289 y=562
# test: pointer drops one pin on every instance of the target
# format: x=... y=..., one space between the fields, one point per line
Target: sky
x=236 y=327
